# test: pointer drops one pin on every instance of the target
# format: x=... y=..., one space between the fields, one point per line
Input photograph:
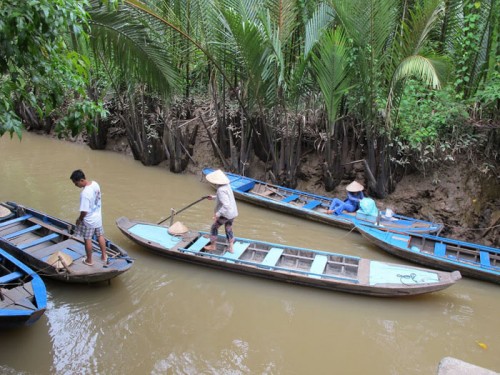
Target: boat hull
x=33 y=236
x=23 y=296
x=314 y=207
x=255 y=258
x=472 y=260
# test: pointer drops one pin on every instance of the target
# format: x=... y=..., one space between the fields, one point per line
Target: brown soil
x=457 y=195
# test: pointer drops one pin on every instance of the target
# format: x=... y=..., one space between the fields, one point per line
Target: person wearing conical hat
x=225 y=209
x=351 y=203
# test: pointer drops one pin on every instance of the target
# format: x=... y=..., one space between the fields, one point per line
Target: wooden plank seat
x=318 y=265
x=10 y=277
x=272 y=257
x=16 y=220
x=38 y=241
x=238 y=249
x=440 y=249
x=69 y=244
x=22 y=231
x=290 y=198
x=199 y=244
x=484 y=257
x=311 y=205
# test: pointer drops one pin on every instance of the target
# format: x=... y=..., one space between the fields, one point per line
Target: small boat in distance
x=301 y=266
x=46 y=244
x=23 y=297
x=314 y=207
x=472 y=260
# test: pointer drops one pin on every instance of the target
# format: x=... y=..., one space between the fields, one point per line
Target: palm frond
x=129 y=47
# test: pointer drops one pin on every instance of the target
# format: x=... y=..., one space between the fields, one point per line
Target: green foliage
x=36 y=66
x=488 y=98
x=431 y=126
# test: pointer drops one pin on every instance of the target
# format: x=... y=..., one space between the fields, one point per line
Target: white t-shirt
x=90 y=202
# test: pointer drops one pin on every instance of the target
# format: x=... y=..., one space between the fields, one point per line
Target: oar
x=185 y=208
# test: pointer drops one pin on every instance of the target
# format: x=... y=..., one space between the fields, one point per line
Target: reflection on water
x=164 y=316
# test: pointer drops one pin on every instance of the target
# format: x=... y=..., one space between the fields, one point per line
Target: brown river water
x=167 y=317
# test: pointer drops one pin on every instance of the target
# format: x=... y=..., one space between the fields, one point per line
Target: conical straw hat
x=177 y=228
x=354 y=187
x=4 y=211
x=217 y=177
x=56 y=262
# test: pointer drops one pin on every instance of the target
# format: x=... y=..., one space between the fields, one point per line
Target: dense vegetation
x=397 y=84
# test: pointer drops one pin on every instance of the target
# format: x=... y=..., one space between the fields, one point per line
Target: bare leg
x=230 y=246
x=88 y=251
x=102 y=245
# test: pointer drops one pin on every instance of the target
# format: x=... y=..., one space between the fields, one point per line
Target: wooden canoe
x=313 y=207
x=290 y=264
x=40 y=240
x=23 y=297
x=472 y=260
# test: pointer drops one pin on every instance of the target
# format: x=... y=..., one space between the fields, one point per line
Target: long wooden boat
x=314 y=207
x=290 y=264
x=46 y=244
x=23 y=297
x=472 y=260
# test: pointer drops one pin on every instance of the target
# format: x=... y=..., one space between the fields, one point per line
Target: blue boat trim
x=38 y=241
x=16 y=220
x=277 y=268
x=284 y=199
x=34 y=236
x=22 y=231
x=473 y=260
x=10 y=277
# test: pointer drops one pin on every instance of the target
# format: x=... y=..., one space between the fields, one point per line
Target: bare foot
x=230 y=249
x=209 y=248
x=329 y=212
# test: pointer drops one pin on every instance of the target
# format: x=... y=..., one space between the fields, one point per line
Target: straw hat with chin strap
x=4 y=211
x=217 y=177
x=177 y=228
x=55 y=259
x=354 y=187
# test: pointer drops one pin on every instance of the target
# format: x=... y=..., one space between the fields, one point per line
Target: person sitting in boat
x=351 y=203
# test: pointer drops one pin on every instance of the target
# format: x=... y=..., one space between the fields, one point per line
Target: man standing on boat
x=90 y=220
x=225 y=209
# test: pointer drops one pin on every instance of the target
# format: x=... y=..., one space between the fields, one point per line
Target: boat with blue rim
x=320 y=269
x=472 y=260
x=23 y=296
x=314 y=207
x=47 y=245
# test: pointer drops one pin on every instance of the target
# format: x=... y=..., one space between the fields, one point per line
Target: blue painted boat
x=301 y=266
x=472 y=260
x=313 y=207
x=47 y=245
x=23 y=297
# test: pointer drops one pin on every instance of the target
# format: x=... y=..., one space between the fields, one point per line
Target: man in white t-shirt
x=90 y=220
